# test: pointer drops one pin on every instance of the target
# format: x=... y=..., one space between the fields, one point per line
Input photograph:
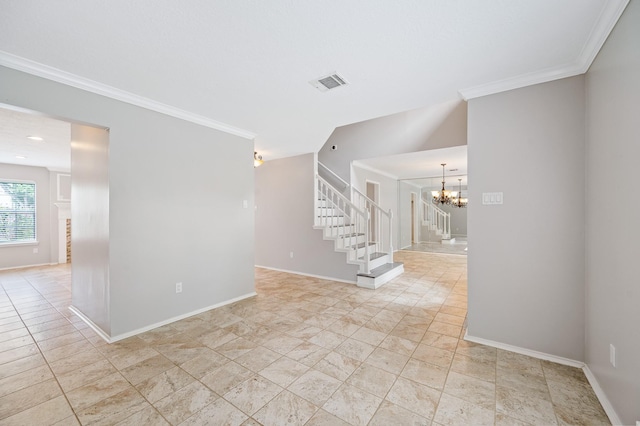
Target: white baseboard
x=304 y=274
x=100 y=332
x=602 y=397
x=27 y=266
x=112 y=339
x=525 y=351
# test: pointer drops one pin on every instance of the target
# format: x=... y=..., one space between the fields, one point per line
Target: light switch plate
x=492 y=198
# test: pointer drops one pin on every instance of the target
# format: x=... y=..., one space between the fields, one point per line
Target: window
x=17 y=212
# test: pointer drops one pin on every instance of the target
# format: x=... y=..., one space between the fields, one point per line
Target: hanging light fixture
x=443 y=196
x=460 y=202
x=257 y=159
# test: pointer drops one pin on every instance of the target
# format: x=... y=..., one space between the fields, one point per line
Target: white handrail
x=334 y=174
x=369 y=218
x=436 y=219
x=348 y=224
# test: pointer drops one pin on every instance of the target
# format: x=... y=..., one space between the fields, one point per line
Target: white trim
x=524 y=351
x=609 y=15
x=91 y=324
x=602 y=397
x=59 y=197
x=27 y=266
x=374 y=170
x=322 y=277
x=119 y=337
x=69 y=79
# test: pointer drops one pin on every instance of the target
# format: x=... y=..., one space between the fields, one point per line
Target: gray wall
x=458 y=220
x=612 y=214
x=411 y=131
x=527 y=289
x=22 y=255
x=90 y=224
x=284 y=222
x=176 y=192
x=388 y=197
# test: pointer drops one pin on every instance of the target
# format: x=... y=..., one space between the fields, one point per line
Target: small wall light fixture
x=257 y=159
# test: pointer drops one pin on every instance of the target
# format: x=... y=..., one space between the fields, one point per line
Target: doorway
x=413 y=218
x=373 y=193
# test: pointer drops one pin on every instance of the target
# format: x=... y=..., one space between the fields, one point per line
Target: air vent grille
x=328 y=82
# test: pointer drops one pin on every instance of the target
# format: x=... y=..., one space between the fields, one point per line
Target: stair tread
x=373 y=256
x=361 y=245
x=381 y=270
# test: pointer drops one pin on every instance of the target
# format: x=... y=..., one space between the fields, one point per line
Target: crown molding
x=609 y=15
x=31 y=67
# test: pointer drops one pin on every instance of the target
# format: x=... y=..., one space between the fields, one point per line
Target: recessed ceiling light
x=35 y=138
x=21 y=157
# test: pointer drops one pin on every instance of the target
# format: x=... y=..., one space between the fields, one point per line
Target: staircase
x=436 y=220
x=359 y=228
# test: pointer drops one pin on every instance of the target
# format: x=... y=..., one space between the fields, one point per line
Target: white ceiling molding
x=31 y=67
x=374 y=170
x=609 y=15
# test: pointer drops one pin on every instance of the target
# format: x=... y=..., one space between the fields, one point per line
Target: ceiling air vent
x=329 y=82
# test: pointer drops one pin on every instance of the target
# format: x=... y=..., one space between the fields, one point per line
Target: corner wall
x=284 y=222
x=177 y=192
x=613 y=214
x=527 y=289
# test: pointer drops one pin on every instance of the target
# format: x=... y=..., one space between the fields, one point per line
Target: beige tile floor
x=304 y=351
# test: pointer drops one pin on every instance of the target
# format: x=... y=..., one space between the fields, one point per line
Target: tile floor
x=304 y=351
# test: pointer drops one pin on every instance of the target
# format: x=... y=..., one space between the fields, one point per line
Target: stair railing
x=436 y=219
x=380 y=219
x=347 y=224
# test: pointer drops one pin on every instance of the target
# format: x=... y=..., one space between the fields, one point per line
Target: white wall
x=176 y=192
x=404 y=206
x=527 y=289
x=284 y=222
x=12 y=256
x=612 y=214
x=90 y=285
x=57 y=197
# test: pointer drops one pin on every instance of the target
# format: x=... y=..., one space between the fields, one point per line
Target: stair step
x=373 y=256
x=380 y=275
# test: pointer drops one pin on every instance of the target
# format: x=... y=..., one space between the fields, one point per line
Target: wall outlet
x=178 y=287
x=291 y=254
x=245 y=204
x=612 y=355
x=35 y=250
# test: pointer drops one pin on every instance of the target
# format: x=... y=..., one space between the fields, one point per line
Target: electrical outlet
x=291 y=254
x=178 y=287
x=612 y=355
x=35 y=250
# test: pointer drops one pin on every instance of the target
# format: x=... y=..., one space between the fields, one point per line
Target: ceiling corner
x=609 y=15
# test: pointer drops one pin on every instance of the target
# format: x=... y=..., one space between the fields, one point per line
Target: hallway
x=304 y=351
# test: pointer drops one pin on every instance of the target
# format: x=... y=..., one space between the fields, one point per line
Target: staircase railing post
x=316 y=202
x=390 y=236
x=367 y=256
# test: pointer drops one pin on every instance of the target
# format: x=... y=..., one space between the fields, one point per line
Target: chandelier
x=443 y=196
x=460 y=202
